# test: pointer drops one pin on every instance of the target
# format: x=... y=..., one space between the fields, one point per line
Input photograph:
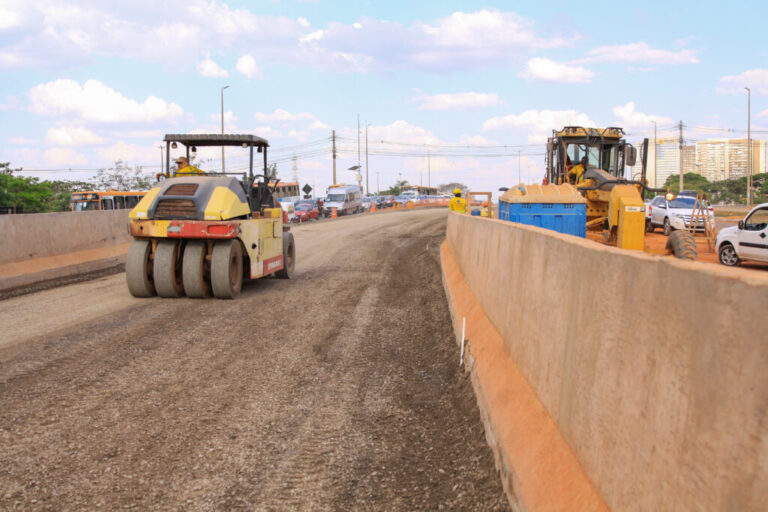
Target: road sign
x=307 y=189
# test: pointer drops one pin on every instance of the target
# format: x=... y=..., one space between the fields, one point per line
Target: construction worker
x=457 y=204
x=184 y=169
x=576 y=174
x=484 y=212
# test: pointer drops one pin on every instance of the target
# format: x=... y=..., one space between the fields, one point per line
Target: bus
x=413 y=192
x=93 y=200
x=287 y=191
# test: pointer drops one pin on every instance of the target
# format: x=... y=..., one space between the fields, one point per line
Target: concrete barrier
x=39 y=235
x=47 y=249
x=654 y=370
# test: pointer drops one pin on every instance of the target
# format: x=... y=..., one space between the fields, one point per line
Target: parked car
x=388 y=201
x=346 y=199
x=305 y=211
x=367 y=203
x=747 y=241
x=674 y=214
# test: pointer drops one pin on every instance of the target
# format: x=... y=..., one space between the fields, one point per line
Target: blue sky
x=88 y=82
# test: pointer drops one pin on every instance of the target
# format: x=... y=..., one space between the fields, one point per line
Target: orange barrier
x=333 y=213
x=373 y=206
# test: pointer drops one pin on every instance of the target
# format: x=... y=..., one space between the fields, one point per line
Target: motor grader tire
x=193 y=270
x=167 y=269
x=227 y=269
x=682 y=245
x=289 y=257
x=138 y=269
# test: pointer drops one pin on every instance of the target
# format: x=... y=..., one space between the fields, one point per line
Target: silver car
x=674 y=214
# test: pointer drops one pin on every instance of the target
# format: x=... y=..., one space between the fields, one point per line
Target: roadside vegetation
x=728 y=192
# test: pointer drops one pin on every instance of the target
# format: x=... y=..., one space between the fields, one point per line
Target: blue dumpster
x=560 y=208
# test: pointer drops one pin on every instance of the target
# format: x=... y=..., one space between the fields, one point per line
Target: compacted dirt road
x=336 y=390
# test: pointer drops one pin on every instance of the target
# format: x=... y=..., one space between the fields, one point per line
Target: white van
x=347 y=199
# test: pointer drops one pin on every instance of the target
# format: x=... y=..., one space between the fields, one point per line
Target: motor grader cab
x=204 y=235
x=593 y=160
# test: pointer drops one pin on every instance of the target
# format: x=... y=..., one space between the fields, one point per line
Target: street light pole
x=655 y=152
x=749 y=146
x=161 y=158
x=222 y=127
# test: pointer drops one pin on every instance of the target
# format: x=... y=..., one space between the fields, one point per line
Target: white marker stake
x=463 y=332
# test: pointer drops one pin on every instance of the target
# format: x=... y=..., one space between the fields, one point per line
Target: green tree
x=395 y=189
x=63 y=189
x=122 y=177
x=30 y=193
x=692 y=181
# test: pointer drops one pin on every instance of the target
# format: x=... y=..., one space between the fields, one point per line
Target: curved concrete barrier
x=654 y=370
x=54 y=247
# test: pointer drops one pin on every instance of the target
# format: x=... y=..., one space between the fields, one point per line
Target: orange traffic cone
x=333 y=213
x=373 y=206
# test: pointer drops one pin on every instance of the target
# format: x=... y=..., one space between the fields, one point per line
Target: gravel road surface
x=336 y=390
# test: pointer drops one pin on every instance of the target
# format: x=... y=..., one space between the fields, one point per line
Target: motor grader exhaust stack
x=202 y=236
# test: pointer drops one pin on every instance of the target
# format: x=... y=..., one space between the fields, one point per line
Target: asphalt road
x=336 y=390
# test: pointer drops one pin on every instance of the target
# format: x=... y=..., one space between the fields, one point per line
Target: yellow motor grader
x=203 y=235
x=593 y=160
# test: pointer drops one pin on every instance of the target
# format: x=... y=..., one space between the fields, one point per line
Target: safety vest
x=190 y=170
x=458 y=204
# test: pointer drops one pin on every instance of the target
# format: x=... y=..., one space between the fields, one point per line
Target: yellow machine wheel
x=138 y=269
x=227 y=269
x=193 y=270
x=167 y=269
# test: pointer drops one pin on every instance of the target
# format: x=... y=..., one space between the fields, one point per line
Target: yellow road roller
x=203 y=235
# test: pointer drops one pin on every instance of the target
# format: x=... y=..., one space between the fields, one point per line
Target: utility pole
x=295 y=168
x=378 y=189
x=333 y=152
x=161 y=159
x=680 y=160
x=222 y=127
x=655 y=152
x=358 y=141
x=429 y=170
x=749 y=146
x=367 y=185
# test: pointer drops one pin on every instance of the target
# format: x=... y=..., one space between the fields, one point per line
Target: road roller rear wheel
x=289 y=257
x=167 y=269
x=194 y=271
x=227 y=269
x=138 y=269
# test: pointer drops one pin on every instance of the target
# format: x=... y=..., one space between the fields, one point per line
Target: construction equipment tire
x=682 y=245
x=289 y=257
x=167 y=269
x=193 y=270
x=138 y=269
x=227 y=269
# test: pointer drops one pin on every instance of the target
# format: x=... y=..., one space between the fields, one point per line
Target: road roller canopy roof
x=217 y=139
x=611 y=132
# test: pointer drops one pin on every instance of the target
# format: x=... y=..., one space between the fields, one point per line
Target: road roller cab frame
x=201 y=236
x=614 y=203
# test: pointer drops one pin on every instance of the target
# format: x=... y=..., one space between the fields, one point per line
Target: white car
x=674 y=214
x=747 y=241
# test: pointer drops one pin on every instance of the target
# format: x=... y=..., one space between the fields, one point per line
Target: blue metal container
x=560 y=208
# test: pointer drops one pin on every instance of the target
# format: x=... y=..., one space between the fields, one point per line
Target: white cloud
x=95 y=101
x=539 y=123
x=247 y=66
x=230 y=121
x=629 y=118
x=71 y=136
x=400 y=131
x=318 y=125
x=210 y=69
x=460 y=100
x=551 y=71
x=640 y=52
x=755 y=79
x=266 y=132
x=63 y=156
x=764 y=113
x=282 y=116
x=22 y=141
x=128 y=153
